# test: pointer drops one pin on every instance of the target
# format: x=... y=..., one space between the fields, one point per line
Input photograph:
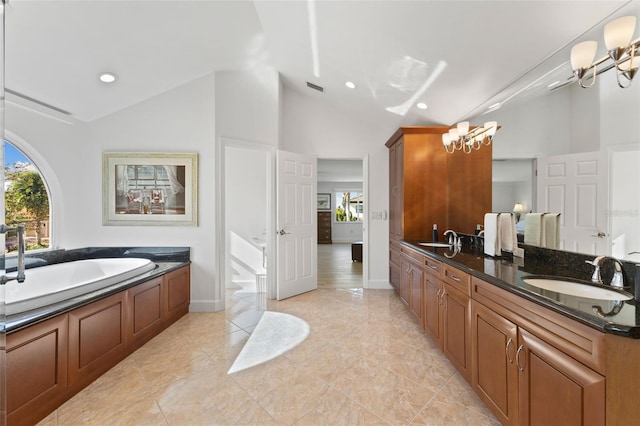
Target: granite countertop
x=616 y=317
x=166 y=259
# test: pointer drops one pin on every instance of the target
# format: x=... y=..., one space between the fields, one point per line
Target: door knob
x=600 y=235
x=283 y=232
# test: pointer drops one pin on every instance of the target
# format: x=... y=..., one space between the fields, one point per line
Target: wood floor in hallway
x=335 y=267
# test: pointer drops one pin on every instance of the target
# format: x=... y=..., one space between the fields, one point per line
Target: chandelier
x=621 y=50
x=461 y=138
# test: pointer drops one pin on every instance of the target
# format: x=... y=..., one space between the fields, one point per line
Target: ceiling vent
x=315 y=87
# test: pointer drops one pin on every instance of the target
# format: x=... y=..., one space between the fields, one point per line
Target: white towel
x=507 y=232
x=533 y=228
x=491 y=240
x=551 y=227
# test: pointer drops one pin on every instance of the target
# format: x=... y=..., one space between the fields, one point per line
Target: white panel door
x=296 y=225
x=575 y=186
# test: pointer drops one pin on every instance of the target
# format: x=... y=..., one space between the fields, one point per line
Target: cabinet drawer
x=432 y=266
x=394 y=257
x=413 y=254
x=458 y=279
x=579 y=341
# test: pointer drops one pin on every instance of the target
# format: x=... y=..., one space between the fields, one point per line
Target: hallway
x=335 y=268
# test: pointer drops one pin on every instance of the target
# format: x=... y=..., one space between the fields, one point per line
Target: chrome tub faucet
x=20 y=276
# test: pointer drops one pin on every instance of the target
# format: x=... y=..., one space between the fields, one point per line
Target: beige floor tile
x=337 y=410
x=366 y=361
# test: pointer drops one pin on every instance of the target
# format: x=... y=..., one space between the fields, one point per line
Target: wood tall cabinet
x=417 y=182
x=533 y=367
x=428 y=186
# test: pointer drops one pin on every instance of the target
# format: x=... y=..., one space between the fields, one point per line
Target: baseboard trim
x=206 y=306
x=379 y=285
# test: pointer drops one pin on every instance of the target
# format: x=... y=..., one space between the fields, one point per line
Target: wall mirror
x=545 y=114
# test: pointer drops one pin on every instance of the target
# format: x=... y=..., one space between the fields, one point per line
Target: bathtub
x=54 y=283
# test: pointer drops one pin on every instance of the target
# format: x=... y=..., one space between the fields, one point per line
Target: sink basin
x=443 y=245
x=577 y=288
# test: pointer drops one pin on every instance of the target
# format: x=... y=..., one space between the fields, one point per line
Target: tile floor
x=365 y=362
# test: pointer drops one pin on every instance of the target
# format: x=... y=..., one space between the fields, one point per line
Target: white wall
x=248 y=105
x=313 y=127
x=248 y=127
x=342 y=232
x=180 y=120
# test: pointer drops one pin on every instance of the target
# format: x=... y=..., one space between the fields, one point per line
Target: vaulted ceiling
x=454 y=56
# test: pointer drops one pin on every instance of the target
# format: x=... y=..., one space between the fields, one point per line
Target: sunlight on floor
x=275 y=334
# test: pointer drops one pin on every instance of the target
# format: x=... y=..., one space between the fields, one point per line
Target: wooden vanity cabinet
x=527 y=363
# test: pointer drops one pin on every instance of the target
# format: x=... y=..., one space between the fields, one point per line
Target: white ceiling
x=455 y=56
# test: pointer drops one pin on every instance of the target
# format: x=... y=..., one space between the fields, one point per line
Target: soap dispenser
x=435 y=233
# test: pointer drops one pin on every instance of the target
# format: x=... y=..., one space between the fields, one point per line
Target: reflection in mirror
x=550 y=115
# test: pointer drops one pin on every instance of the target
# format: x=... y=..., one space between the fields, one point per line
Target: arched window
x=26 y=200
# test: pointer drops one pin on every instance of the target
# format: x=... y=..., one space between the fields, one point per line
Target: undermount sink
x=577 y=288
x=442 y=245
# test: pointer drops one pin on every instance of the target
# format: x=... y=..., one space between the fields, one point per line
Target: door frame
x=365 y=221
x=220 y=222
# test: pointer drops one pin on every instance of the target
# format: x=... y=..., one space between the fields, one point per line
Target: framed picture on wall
x=149 y=189
x=324 y=201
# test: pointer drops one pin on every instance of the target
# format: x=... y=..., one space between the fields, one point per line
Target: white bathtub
x=54 y=283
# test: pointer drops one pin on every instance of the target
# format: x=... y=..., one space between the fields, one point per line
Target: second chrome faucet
x=618 y=278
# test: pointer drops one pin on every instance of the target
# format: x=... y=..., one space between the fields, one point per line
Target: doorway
x=341 y=247
x=246 y=192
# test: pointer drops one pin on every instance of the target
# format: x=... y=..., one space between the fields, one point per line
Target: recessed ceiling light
x=421 y=105
x=350 y=84
x=107 y=77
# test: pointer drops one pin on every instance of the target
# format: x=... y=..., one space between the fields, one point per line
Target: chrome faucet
x=618 y=278
x=454 y=240
x=20 y=276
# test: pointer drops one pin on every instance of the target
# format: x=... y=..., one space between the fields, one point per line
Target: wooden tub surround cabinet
x=52 y=360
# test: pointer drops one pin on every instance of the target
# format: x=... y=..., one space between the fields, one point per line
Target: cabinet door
x=456 y=313
x=145 y=305
x=97 y=339
x=177 y=287
x=36 y=370
x=396 y=153
x=494 y=373
x=432 y=311
x=405 y=272
x=416 y=293
x=555 y=388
